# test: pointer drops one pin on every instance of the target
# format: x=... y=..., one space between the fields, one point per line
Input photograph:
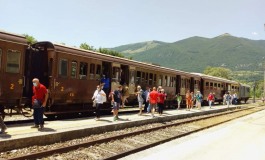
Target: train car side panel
x=11 y=70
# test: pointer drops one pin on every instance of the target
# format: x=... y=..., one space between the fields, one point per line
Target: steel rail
x=103 y=140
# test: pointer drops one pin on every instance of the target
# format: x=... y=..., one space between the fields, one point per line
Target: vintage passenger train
x=72 y=74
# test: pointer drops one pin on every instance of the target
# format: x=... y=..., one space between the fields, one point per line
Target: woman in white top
x=99 y=97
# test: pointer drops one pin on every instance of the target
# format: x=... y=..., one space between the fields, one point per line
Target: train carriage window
x=171 y=81
x=13 y=61
x=197 y=84
x=211 y=85
x=207 y=85
x=215 y=85
x=166 y=81
x=0 y=58
x=92 y=71
x=132 y=76
x=151 y=79
x=154 y=79
x=73 y=69
x=116 y=74
x=187 y=83
x=160 y=80
x=83 y=70
x=146 y=78
x=63 y=67
x=219 y=85
x=182 y=83
x=98 y=71
x=138 y=77
x=143 y=77
x=174 y=82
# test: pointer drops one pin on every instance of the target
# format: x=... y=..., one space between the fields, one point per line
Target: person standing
x=228 y=99
x=224 y=99
x=188 y=100
x=179 y=99
x=153 y=96
x=39 y=100
x=99 y=97
x=146 y=93
x=140 y=99
x=210 y=99
x=234 y=101
x=161 y=100
x=192 y=100
x=198 y=98
x=116 y=100
x=2 y=124
x=125 y=94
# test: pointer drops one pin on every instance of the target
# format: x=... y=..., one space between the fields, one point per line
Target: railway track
x=114 y=145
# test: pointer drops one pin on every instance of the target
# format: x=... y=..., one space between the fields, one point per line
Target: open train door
x=116 y=76
x=36 y=66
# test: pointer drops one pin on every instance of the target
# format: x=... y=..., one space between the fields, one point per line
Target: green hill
x=196 y=53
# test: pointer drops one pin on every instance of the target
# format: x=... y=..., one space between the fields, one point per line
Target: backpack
x=228 y=97
x=143 y=95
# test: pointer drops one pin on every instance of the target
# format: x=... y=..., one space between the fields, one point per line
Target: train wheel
x=26 y=110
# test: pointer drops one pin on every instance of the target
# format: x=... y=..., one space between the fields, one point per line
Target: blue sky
x=111 y=23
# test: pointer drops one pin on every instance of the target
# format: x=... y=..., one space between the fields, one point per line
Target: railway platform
x=239 y=139
x=22 y=135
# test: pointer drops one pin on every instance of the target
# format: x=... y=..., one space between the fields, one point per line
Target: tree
x=86 y=47
x=110 y=52
x=218 y=72
x=30 y=39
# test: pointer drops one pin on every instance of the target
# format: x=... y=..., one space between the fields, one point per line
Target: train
x=71 y=75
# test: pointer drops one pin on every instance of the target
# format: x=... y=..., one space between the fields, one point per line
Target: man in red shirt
x=153 y=96
x=210 y=99
x=161 y=100
x=39 y=100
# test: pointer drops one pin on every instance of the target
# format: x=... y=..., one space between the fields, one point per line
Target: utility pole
x=263 y=60
x=254 y=92
x=263 y=96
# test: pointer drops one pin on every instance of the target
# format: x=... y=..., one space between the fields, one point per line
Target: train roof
x=106 y=57
x=204 y=76
x=14 y=38
x=245 y=85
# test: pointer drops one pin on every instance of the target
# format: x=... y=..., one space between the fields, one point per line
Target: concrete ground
x=241 y=139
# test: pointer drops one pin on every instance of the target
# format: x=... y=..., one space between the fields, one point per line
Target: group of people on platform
x=148 y=100
x=191 y=98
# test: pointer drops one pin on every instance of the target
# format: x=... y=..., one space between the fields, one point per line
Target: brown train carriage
x=154 y=76
x=71 y=75
x=216 y=85
x=12 y=50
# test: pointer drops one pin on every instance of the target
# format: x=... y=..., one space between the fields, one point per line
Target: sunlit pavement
x=241 y=139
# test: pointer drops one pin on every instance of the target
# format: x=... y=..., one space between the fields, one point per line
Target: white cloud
x=254 y=33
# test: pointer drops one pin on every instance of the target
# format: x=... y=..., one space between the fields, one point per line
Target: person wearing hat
x=116 y=100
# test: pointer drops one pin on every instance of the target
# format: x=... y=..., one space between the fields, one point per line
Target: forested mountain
x=196 y=53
